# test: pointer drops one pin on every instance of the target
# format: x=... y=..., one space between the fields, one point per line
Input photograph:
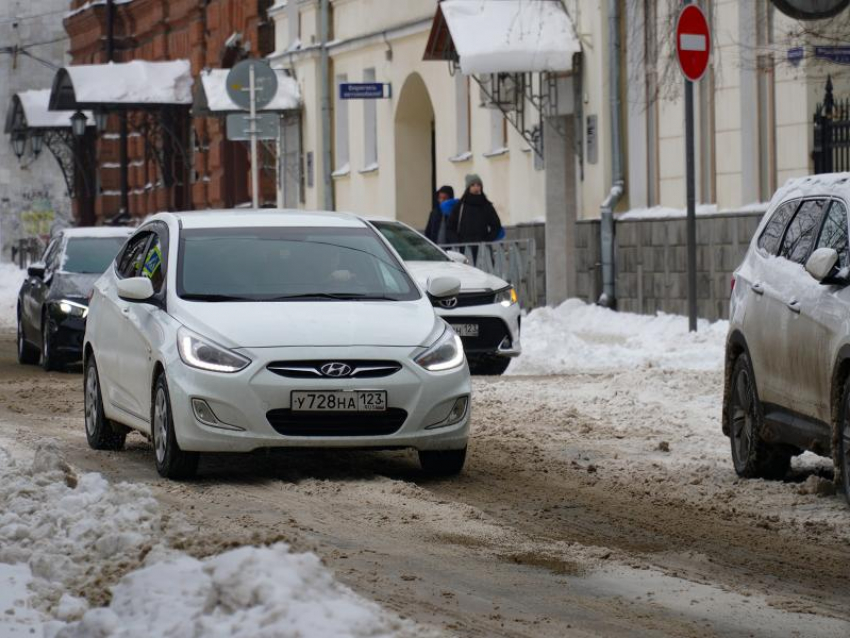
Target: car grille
x=491 y=333
x=466 y=299
x=290 y=423
x=360 y=368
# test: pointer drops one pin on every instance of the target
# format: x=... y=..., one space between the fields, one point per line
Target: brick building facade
x=207 y=33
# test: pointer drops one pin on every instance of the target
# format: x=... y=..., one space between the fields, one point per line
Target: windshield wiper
x=336 y=296
x=214 y=297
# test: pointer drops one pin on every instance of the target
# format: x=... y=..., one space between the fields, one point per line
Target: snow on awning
x=29 y=110
x=503 y=36
x=135 y=84
x=212 y=94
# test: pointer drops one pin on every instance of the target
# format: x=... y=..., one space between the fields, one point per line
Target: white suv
x=788 y=350
x=236 y=330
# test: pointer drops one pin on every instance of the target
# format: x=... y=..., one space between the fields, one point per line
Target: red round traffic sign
x=693 y=42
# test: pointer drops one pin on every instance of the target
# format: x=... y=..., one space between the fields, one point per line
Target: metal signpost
x=251 y=85
x=239 y=126
x=693 y=50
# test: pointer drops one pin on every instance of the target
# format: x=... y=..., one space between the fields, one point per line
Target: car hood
x=311 y=323
x=471 y=278
x=71 y=285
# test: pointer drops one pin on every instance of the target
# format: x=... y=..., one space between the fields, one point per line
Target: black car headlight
x=68 y=308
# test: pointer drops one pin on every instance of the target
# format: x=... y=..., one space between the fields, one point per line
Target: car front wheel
x=27 y=353
x=171 y=462
x=752 y=456
x=49 y=358
x=844 y=441
x=101 y=434
x=488 y=365
x=442 y=462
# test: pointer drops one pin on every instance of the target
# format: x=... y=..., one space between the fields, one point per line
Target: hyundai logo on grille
x=449 y=303
x=336 y=370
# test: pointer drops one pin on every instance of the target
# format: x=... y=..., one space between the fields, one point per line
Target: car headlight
x=197 y=352
x=72 y=308
x=507 y=297
x=445 y=354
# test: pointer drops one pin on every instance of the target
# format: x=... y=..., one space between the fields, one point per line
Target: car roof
x=97 y=231
x=825 y=184
x=247 y=218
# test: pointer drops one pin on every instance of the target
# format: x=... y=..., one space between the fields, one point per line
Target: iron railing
x=514 y=260
x=831 y=151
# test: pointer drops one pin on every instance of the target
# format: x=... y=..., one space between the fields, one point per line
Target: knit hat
x=472 y=178
x=448 y=191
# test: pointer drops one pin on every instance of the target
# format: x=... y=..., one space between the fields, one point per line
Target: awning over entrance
x=503 y=36
x=28 y=110
x=212 y=98
x=128 y=85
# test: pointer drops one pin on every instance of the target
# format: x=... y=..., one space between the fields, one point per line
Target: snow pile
x=579 y=337
x=134 y=82
x=63 y=533
x=11 y=278
x=214 y=82
x=511 y=35
x=665 y=212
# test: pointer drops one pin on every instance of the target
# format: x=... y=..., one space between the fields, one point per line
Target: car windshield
x=408 y=243
x=90 y=254
x=289 y=264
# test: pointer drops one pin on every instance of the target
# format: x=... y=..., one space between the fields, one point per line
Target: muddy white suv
x=787 y=384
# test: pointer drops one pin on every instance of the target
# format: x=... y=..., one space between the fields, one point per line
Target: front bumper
x=66 y=337
x=499 y=328
x=248 y=404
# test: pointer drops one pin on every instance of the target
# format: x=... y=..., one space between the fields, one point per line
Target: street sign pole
x=692 y=213
x=255 y=173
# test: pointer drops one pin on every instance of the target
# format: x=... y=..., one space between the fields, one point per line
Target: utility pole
x=325 y=81
x=122 y=115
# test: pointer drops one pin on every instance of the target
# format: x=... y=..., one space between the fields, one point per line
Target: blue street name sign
x=364 y=91
x=836 y=54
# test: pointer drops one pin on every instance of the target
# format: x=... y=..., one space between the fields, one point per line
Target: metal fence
x=514 y=260
x=831 y=151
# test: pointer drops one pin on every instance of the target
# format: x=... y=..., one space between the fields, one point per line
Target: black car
x=53 y=301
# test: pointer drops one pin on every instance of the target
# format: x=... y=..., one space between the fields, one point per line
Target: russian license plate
x=466 y=329
x=339 y=401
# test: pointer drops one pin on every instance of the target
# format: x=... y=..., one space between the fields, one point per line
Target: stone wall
x=651 y=261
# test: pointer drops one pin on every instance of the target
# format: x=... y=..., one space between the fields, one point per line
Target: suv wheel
x=27 y=353
x=171 y=461
x=844 y=441
x=751 y=455
x=100 y=432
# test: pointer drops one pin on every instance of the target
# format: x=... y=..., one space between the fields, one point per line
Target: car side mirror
x=821 y=263
x=457 y=257
x=135 y=289
x=443 y=287
x=37 y=270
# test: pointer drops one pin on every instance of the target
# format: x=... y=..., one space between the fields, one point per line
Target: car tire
x=751 y=455
x=171 y=462
x=101 y=434
x=442 y=462
x=488 y=365
x=844 y=441
x=28 y=354
x=49 y=357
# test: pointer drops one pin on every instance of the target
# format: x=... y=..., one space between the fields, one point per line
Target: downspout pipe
x=325 y=82
x=618 y=184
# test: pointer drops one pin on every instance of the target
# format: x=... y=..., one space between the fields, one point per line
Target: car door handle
x=794 y=306
x=757 y=288
x=125 y=310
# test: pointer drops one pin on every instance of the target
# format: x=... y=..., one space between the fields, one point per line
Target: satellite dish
x=811 y=9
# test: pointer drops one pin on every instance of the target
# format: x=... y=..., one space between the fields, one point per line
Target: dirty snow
x=63 y=534
x=11 y=278
x=577 y=336
x=511 y=35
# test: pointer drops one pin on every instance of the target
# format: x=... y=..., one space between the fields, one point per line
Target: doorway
x=415 y=153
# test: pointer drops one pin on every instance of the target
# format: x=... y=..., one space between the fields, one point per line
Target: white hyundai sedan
x=232 y=331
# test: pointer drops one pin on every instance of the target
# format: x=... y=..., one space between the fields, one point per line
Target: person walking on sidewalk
x=438 y=220
x=474 y=218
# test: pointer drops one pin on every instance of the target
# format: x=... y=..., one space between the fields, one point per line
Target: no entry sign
x=693 y=42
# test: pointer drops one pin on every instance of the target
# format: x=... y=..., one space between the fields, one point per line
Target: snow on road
x=577 y=337
x=11 y=278
x=62 y=532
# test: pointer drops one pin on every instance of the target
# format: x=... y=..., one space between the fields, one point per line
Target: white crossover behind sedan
x=485 y=314
x=231 y=331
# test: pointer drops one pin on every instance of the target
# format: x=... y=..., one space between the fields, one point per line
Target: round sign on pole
x=238 y=81
x=693 y=42
x=811 y=9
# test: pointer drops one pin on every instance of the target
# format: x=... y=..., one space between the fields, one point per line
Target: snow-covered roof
x=512 y=36
x=138 y=82
x=214 y=97
x=29 y=109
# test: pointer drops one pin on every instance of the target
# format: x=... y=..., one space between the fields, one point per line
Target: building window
x=498 y=132
x=766 y=99
x=341 y=129
x=370 y=127
x=293 y=23
x=463 y=109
